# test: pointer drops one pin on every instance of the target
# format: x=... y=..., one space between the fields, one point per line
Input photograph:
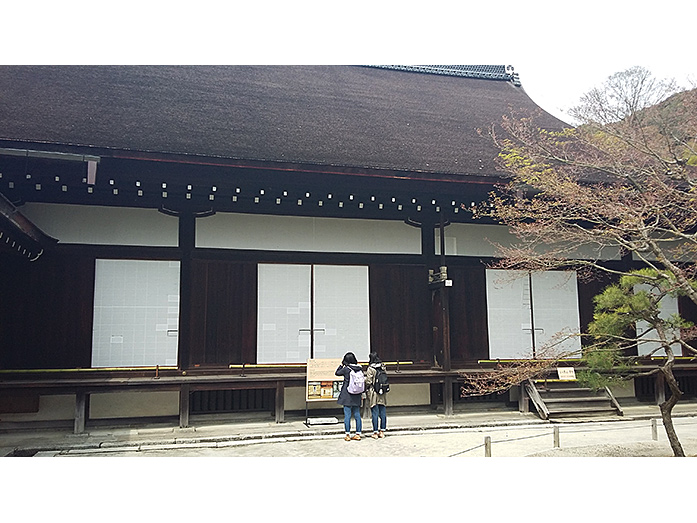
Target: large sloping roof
x=422 y=119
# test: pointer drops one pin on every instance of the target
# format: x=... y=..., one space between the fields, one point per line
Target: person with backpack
x=377 y=387
x=351 y=393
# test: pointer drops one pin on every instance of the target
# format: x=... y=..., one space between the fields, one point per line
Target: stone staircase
x=565 y=398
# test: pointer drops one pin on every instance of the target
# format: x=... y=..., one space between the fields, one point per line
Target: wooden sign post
x=322 y=385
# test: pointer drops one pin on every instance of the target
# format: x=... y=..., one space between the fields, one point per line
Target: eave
x=20 y=236
x=213 y=184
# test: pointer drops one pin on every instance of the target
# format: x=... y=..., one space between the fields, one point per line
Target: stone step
x=582 y=410
x=579 y=399
x=564 y=390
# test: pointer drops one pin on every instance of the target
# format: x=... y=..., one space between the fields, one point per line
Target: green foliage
x=603 y=367
x=635 y=297
x=601 y=359
x=617 y=309
x=595 y=380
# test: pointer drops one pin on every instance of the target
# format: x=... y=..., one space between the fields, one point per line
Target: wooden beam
x=614 y=401
x=537 y=401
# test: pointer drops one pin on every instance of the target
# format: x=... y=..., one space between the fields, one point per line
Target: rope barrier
x=465 y=451
x=502 y=441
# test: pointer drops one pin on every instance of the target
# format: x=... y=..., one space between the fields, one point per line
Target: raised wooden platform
x=83 y=382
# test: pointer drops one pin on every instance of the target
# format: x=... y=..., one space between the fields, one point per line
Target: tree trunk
x=667 y=408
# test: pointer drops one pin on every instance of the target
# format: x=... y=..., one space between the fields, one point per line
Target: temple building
x=178 y=241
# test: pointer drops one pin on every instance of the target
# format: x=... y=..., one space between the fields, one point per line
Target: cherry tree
x=621 y=187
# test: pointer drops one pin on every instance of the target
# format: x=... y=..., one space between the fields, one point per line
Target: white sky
x=560 y=49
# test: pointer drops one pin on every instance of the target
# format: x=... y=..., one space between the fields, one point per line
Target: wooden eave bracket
x=24 y=235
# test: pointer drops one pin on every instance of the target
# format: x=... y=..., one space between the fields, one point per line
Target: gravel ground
x=628 y=450
x=526 y=442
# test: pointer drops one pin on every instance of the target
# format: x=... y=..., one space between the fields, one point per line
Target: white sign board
x=566 y=373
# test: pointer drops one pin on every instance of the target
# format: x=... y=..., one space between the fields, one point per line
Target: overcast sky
x=559 y=49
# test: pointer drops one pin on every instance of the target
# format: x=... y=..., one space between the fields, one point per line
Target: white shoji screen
x=342 y=314
x=283 y=317
x=669 y=306
x=555 y=306
x=286 y=305
x=136 y=313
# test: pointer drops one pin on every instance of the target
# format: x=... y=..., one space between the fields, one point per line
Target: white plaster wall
x=51 y=408
x=676 y=251
x=134 y=404
x=471 y=239
x=300 y=233
x=104 y=225
x=468 y=239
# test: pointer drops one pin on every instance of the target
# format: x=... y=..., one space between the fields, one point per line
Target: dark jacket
x=345 y=398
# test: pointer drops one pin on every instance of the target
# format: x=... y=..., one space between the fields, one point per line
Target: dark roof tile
x=363 y=117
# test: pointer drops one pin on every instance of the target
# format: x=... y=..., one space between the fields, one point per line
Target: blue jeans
x=356 y=413
x=379 y=411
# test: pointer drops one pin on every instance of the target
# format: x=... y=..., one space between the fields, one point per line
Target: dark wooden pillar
x=187 y=244
x=439 y=285
x=444 y=284
x=440 y=317
x=184 y=402
x=428 y=245
x=445 y=325
x=428 y=254
x=280 y=401
x=82 y=402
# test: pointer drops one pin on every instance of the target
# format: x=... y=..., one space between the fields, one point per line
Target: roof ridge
x=486 y=72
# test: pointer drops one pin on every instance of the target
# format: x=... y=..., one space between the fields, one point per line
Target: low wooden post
x=365 y=409
x=523 y=403
x=660 y=388
x=654 y=429
x=280 y=401
x=435 y=395
x=81 y=412
x=448 y=397
x=184 y=402
x=556 y=437
x=487 y=446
